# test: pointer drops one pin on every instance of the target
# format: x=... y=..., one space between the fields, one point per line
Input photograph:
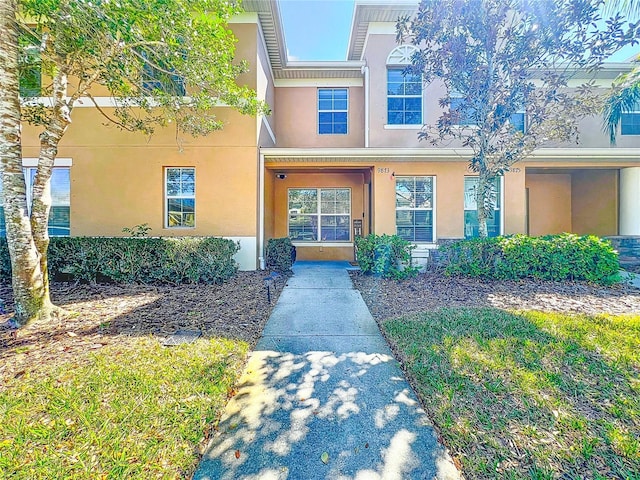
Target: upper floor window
x=157 y=76
x=471 y=224
x=59 y=215
x=463 y=115
x=180 y=197
x=414 y=208
x=404 y=98
x=332 y=111
x=630 y=122
x=518 y=121
x=404 y=90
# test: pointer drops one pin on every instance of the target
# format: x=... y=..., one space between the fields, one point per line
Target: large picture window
x=332 y=111
x=414 y=208
x=319 y=214
x=180 y=197
x=59 y=215
x=471 y=226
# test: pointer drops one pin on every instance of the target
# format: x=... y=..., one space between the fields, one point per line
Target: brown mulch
x=390 y=298
x=100 y=315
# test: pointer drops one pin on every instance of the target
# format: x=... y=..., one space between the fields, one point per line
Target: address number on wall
x=383 y=170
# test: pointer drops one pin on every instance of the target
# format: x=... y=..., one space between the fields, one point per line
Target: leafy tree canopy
x=501 y=57
x=174 y=59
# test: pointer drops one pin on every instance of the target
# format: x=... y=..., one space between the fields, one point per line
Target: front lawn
x=96 y=395
x=528 y=394
x=139 y=410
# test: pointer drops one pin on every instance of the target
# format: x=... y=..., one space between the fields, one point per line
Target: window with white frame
x=404 y=90
x=404 y=97
x=180 y=197
x=319 y=214
x=332 y=111
x=414 y=208
x=59 y=215
x=471 y=225
x=630 y=122
x=518 y=121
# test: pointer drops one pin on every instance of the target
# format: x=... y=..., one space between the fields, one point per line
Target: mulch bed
x=390 y=298
x=101 y=315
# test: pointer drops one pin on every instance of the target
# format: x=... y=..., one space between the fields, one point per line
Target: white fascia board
x=58 y=162
x=448 y=154
x=319 y=82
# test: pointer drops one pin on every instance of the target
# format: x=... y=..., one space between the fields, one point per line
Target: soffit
x=369 y=11
x=271 y=23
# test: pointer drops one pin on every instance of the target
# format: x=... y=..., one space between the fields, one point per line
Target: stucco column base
x=630 y=201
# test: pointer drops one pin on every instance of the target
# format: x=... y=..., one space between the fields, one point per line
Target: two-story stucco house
x=339 y=156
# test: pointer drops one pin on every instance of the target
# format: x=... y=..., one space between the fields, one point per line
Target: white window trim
x=166 y=201
x=433 y=209
x=332 y=111
x=502 y=205
x=319 y=214
x=411 y=126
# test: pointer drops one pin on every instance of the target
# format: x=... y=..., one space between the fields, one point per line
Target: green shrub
x=552 y=257
x=280 y=254
x=385 y=255
x=5 y=262
x=137 y=260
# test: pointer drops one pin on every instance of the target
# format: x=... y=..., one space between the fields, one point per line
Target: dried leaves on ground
x=100 y=315
x=389 y=298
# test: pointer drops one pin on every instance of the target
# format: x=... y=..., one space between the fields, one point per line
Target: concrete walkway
x=322 y=396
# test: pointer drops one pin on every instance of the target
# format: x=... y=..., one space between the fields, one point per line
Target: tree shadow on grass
x=521 y=394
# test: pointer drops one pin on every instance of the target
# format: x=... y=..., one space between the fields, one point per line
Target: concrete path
x=322 y=396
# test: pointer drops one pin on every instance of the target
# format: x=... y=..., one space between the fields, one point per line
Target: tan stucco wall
x=549 y=203
x=449 y=207
x=297 y=119
x=594 y=198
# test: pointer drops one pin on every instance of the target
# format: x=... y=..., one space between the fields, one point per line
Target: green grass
x=528 y=394
x=137 y=411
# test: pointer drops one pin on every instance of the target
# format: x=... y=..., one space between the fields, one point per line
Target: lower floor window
x=471 y=225
x=180 y=197
x=59 y=215
x=319 y=214
x=414 y=208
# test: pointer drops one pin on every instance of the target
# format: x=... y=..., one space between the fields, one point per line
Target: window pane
x=630 y=124
x=60 y=187
x=325 y=104
x=517 y=120
x=303 y=200
x=303 y=227
x=414 y=195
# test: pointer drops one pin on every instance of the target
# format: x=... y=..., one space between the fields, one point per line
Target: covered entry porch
x=596 y=200
x=321 y=208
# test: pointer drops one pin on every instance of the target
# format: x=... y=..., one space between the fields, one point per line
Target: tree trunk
x=484 y=202
x=41 y=191
x=31 y=296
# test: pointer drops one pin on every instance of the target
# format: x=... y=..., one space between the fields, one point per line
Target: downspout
x=365 y=71
x=261 y=213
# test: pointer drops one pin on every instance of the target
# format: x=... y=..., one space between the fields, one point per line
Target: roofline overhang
x=443 y=154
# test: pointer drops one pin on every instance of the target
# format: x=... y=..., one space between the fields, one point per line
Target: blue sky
x=319 y=30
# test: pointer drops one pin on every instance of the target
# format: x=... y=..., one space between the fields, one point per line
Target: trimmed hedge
x=136 y=260
x=280 y=254
x=551 y=257
x=386 y=255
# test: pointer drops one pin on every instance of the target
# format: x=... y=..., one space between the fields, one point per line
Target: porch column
x=630 y=201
